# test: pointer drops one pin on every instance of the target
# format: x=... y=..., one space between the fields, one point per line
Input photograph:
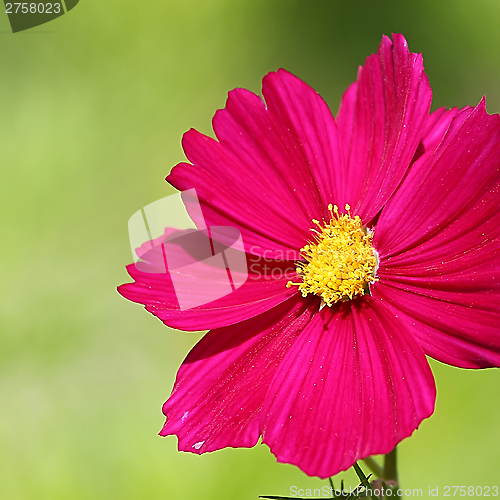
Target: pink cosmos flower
x=326 y=360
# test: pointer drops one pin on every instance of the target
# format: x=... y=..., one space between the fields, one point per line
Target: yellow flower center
x=341 y=262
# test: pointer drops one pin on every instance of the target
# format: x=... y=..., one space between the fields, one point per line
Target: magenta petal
x=437 y=126
x=223 y=202
x=439 y=245
x=345 y=118
x=260 y=176
x=389 y=107
x=264 y=288
x=460 y=329
x=438 y=130
x=444 y=196
x=308 y=127
x=353 y=385
x=220 y=388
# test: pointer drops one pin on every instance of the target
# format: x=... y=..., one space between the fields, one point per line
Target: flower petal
x=439 y=244
x=353 y=385
x=264 y=289
x=459 y=329
x=308 y=127
x=381 y=122
x=219 y=391
x=258 y=177
x=437 y=127
x=445 y=190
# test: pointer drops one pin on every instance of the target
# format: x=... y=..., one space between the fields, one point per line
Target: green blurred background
x=93 y=107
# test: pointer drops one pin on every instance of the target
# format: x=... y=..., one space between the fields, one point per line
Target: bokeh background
x=93 y=106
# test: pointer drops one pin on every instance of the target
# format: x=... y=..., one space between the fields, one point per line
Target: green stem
x=391 y=466
x=391 y=471
x=374 y=466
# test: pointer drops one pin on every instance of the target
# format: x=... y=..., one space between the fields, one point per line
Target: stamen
x=340 y=262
